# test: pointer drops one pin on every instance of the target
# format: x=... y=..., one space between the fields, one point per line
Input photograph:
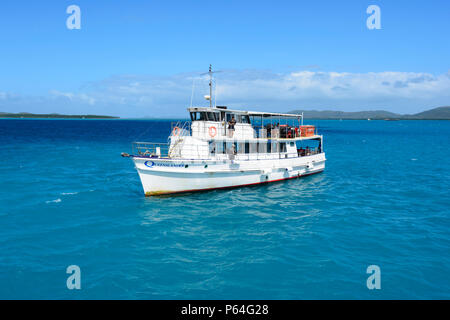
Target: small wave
x=413 y=159
x=53 y=201
x=68 y=193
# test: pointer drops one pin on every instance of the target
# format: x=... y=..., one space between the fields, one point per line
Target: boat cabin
x=220 y=133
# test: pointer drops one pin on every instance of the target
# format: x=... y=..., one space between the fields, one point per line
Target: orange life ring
x=176 y=131
x=212 y=131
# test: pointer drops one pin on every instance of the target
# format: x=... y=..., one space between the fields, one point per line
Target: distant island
x=440 y=113
x=26 y=115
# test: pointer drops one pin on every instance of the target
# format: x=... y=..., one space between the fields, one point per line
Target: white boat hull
x=166 y=176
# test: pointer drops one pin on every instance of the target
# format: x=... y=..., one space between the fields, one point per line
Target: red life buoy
x=212 y=131
x=176 y=131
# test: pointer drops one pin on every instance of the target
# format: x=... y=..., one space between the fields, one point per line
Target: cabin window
x=212 y=116
x=224 y=147
x=231 y=147
x=219 y=148
x=204 y=116
x=283 y=146
x=247 y=147
x=262 y=147
x=275 y=147
x=253 y=147
x=212 y=147
x=269 y=147
x=241 y=147
x=240 y=118
x=244 y=118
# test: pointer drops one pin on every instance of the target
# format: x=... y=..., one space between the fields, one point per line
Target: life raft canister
x=212 y=131
x=176 y=131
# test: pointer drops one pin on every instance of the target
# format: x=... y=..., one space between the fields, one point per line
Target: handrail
x=165 y=150
x=150 y=149
x=259 y=131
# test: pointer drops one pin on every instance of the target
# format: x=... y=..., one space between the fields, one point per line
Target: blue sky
x=138 y=58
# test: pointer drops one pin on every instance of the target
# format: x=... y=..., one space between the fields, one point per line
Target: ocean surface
x=68 y=198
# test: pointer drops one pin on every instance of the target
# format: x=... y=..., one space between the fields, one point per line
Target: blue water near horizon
x=68 y=198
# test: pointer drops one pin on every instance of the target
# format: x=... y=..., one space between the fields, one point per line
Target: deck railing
x=150 y=149
x=184 y=128
x=180 y=128
x=214 y=152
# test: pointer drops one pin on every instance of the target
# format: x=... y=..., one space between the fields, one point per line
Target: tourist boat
x=206 y=153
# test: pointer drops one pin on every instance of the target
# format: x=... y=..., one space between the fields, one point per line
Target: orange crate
x=307 y=131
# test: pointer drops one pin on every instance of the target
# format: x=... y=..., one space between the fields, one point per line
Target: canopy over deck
x=249 y=113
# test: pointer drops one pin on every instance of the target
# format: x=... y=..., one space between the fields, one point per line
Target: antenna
x=210 y=73
x=210 y=85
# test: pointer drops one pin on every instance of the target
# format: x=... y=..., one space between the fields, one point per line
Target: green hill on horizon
x=27 y=115
x=440 y=113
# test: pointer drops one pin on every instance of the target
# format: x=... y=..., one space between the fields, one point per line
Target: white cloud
x=138 y=95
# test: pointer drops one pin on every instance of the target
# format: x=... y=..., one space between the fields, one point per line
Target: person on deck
x=231 y=125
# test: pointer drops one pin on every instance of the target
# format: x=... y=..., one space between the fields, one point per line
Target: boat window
x=212 y=147
x=198 y=116
x=274 y=148
x=212 y=116
x=245 y=118
x=240 y=118
x=253 y=147
x=231 y=147
x=283 y=146
x=219 y=148
x=262 y=147
x=241 y=147
x=269 y=147
x=247 y=147
x=204 y=116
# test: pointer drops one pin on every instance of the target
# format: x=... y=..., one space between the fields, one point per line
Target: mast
x=210 y=85
x=210 y=72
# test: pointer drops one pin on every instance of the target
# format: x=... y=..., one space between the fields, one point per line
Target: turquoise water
x=68 y=198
